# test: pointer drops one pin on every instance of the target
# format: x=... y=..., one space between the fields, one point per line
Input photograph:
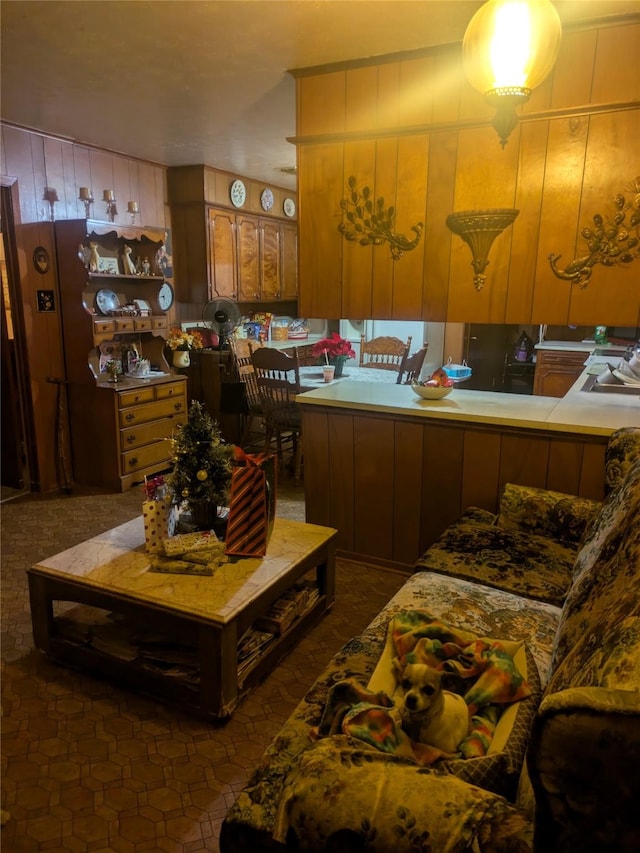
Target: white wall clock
x=289 y=207
x=238 y=193
x=165 y=296
x=266 y=199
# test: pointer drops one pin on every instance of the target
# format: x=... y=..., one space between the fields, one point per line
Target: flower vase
x=338 y=362
x=181 y=358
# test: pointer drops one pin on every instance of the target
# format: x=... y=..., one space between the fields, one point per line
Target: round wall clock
x=289 y=207
x=266 y=199
x=165 y=296
x=238 y=193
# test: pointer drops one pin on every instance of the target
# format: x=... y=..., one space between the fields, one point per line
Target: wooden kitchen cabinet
x=556 y=371
x=222 y=261
x=270 y=281
x=289 y=261
x=118 y=431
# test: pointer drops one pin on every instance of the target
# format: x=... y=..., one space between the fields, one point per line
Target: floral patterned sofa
x=562 y=773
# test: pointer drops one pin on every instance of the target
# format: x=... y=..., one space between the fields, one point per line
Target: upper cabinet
x=232 y=237
x=402 y=143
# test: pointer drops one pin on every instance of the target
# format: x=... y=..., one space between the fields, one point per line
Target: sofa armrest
x=583 y=766
x=565 y=518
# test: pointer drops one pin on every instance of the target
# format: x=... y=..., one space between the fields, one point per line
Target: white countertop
x=577 y=411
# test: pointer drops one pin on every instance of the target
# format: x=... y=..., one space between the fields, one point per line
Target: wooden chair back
x=243 y=367
x=385 y=352
x=411 y=367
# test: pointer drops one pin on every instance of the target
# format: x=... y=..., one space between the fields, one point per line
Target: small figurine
x=129 y=263
x=94 y=259
x=146 y=267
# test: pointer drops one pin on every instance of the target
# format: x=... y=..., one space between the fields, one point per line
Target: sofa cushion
x=513 y=560
x=337 y=798
x=623 y=448
x=543 y=512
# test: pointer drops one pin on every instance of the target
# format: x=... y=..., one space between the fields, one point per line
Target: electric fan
x=223 y=317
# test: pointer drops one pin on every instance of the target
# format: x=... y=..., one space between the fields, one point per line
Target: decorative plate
x=266 y=199
x=107 y=300
x=238 y=193
x=289 y=207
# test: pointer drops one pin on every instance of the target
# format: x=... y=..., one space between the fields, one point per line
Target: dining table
x=311 y=376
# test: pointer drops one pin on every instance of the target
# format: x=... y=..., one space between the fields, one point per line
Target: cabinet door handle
x=133 y=461
x=130 y=417
x=131 y=439
x=171 y=392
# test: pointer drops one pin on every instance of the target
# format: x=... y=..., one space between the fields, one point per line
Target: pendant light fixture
x=509 y=48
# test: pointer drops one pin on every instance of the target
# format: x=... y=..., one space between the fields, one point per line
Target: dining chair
x=411 y=367
x=278 y=381
x=242 y=367
x=384 y=352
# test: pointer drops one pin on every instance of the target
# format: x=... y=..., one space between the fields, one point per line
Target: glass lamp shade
x=509 y=48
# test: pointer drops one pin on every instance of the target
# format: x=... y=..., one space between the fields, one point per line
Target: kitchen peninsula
x=391 y=471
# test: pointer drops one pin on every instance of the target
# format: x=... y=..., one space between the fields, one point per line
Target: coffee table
x=207 y=615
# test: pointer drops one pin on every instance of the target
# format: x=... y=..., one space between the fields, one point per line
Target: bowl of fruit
x=437 y=386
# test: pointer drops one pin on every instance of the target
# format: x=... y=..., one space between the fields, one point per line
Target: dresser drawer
x=160 y=323
x=102 y=326
x=152 y=411
x=124 y=324
x=137 y=436
x=144 y=457
x=133 y=398
x=142 y=324
x=170 y=389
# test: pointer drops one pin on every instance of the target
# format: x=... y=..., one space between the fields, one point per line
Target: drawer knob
x=131 y=439
x=133 y=461
x=130 y=417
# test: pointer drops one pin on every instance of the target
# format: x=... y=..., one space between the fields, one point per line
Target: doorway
x=17 y=464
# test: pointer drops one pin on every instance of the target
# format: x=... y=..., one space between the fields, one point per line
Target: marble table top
x=116 y=562
x=311 y=375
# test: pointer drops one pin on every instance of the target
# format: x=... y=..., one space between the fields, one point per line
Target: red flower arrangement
x=333 y=347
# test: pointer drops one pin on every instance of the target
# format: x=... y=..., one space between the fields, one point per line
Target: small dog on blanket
x=430 y=714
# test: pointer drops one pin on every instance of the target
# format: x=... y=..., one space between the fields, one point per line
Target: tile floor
x=87 y=766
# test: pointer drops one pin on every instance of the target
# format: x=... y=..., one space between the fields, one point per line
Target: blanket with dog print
x=486 y=666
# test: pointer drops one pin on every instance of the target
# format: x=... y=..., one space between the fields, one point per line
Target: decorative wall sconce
x=51 y=195
x=610 y=242
x=133 y=210
x=368 y=222
x=109 y=197
x=509 y=48
x=478 y=229
x=86 y=197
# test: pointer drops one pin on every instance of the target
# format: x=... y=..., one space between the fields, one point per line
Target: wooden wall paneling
x=386 y=186
x=58 y=179
x=361 y=89
x=528 y=200
x=613 y=138
x=615 y=75
x=592 y=483
x=320 y=178
x=448 y=81
x=389 y=93
x=341 y=472
x=75 y=208
x=573 y=72
x=437 y=239
x=524 y=459
x=321 y=104
x=442 y=459
x=357 y=260
x=373 y=444
x=122 y=180
x=480 y=486
x=103 y=179
x=411 y=202
x=565 y=465
x=18 y=155
x=559 y=222
x=408 y=466
x=315 y=431
x=417 y=91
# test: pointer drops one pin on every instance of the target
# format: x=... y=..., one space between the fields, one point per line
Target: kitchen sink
x=609 y=387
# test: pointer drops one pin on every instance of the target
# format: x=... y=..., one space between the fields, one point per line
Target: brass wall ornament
x=612 y=241
x=478 y=229
x=368 y=222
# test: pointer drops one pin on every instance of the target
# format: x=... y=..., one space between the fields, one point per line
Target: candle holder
x=86 y=197
x=108 y=196
x=133 y=210
x=51 y=195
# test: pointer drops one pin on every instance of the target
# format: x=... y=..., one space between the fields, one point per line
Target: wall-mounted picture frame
x=41 y=259
x=109 y=265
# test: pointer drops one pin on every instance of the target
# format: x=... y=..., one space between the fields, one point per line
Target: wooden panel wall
x=415 y=132
x=37 y=162
x=391 y=485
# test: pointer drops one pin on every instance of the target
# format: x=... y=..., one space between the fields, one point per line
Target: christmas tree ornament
x=202 y=475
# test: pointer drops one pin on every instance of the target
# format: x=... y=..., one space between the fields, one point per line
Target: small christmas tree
x=201 y=461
